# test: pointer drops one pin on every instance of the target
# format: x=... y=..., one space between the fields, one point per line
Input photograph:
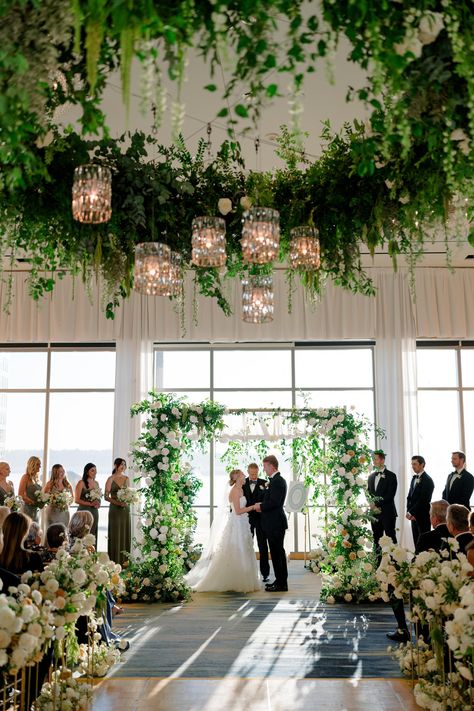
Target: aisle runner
x=257 y=636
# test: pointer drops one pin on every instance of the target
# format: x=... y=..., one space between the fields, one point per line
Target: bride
x=228 y=561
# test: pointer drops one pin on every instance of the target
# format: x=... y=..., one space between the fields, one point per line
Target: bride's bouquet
x=61 y=500
x=14 y=503
x=129 y=496
x=95 y=494
x=42 y=498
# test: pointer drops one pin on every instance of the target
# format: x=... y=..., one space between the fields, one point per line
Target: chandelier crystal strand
x=305 y=251
x=153 y=274
x=257 y=299
x=92 y=194
x=177 y=279
x=208 y=242
x=260 y=235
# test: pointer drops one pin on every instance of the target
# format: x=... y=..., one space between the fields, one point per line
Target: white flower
x=153 y=533
x=163 y=529
x=224 y=206
x=348 y=597
x=175 y=411
x=330 y=600
x=411 y=44
x=5 y=638
x=163 y=417
x=430 y=26
x=175 y=477
x=52 y=585
x=79 y=576
x=163 y=568
x=60 y=633
x=193 y=419
x=245 y=202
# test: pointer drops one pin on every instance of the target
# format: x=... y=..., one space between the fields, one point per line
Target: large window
x=445 y=374
x=58 y=403
x=251 y=376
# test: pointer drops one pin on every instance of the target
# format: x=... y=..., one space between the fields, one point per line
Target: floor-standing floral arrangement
x=171 y=429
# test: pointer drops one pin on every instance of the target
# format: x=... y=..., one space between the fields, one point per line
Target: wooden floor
x=220 y=691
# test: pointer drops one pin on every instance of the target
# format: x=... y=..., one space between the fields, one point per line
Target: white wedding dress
x=228 y=563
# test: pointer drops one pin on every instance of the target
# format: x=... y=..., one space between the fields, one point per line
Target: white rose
x=224 y=206
x=330 y=600
x=27 y=642
x=163 y=568
x=146 y=582
x=430 y=26
x=348 y=597
x=154 y=554
x=5 y=638
x=175 y=477
x=163 y=417
x=162 y=538
x=35 y=629
x=163 y=529
x=153 y=533
x=175 y=411
x=52 y=585
x=153 y=431
x=60 y=633
x=79 y=576
x=193 y=419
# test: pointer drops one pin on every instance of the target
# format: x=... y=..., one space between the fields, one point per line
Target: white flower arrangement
x=26 y=627
x=42 y=498
x=14 y=503
x=95 y=494
x=128 y=495
x=72 y=694
x=61 y=500
x=96 y=659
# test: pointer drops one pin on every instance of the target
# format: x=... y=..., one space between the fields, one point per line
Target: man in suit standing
x=254 y=490
x=460 y=483
x=433 y=540
x=382 y=486
x=419 y=498
x=274 y=522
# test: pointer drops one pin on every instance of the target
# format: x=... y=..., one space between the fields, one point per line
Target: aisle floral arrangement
x=441 y=598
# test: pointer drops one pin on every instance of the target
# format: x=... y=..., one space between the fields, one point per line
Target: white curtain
x=395 y=386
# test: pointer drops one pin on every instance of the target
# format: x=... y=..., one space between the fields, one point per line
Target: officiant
x=254 y=490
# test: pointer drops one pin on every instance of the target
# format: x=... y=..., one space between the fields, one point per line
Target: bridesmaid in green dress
x=30 y=487
x=119 y=536
x=56 y=485
x=83 y=496
x=6 y=487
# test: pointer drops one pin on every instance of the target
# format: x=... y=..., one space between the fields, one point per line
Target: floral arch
x=326 y=448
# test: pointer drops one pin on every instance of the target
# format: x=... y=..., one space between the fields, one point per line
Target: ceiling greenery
x=404 y=175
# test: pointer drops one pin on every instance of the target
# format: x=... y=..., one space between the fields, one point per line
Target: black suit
x=255 y=520
x=384 y=522
x=418 y=504
x=432 y=540
x=274 y=525
x=460 y=491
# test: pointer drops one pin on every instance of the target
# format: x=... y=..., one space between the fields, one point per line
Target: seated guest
x=4 y=512
x=33 y=538
x=457 y=521
x=56 y=535
x=14 y=557
x=433 y=540
x=80 y=525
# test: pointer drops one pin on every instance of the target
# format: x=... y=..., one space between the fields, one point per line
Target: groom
x=274 y=522
x=254 y=490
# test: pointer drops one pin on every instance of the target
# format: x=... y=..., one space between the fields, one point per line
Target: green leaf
x=223 y=112
x=210 y=87
x=241 y=111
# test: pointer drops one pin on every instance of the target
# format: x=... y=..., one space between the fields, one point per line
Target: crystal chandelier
x=153 y=271
x=304 y=248
x=257 y=299
x=260 y=235
x=208 y=242
x=92 y=194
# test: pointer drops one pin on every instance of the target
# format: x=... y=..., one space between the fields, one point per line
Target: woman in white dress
x=228 y=562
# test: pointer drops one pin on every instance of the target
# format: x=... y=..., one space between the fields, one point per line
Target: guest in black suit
x=460 y=483
x=419 y=498
x=457 y=521
x=254 y=490
x=274 y=522
x=434 y=540
x=382 y=486
x=430 y=540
